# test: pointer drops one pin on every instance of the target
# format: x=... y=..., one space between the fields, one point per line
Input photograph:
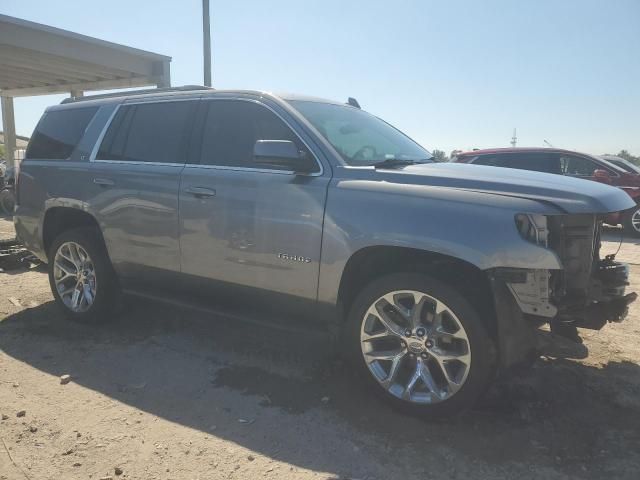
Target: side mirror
x=601 y=175
x=282 y=154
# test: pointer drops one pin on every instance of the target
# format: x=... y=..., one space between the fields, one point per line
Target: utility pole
x=206 y=42
x=514 y=139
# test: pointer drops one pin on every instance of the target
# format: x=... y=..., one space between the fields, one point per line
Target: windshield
x=624 y=164
x=359 y=137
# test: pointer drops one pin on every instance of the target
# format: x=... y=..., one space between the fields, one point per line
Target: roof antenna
x=353 y=102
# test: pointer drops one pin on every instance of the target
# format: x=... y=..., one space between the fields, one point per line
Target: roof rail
x=147 y=91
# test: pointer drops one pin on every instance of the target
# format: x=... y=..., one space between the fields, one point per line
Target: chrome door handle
x=201 y=192
x=104 y=182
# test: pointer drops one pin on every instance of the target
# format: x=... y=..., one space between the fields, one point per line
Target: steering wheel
x=361 y=154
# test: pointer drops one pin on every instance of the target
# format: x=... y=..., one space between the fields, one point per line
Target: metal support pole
x=165 y=81
x=206 y=42
x=9 y=127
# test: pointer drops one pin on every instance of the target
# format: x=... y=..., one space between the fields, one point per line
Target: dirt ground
x=171 y=394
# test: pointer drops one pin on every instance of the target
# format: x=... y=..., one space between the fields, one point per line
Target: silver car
x=433 y=277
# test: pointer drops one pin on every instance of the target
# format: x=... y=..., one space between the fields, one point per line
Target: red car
x=566 y=162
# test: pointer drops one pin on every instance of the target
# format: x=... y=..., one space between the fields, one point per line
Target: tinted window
x=490 y=160
x=231 y=129
x=58 y=133
x=112 y=146
x=579 y=166
x=537 y=162
x=625 y=165
x=153 y=132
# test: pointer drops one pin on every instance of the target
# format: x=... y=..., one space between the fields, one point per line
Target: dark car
x=569 y=163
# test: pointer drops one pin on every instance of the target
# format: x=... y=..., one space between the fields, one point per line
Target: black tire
x=483 y=359
x=627 y=221
x=7 y=201
x=106 y=295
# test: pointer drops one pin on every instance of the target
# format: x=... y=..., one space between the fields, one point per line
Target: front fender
x=474 y=227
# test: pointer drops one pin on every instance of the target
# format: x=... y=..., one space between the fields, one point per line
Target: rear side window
x=58 y=133
x=153 y=132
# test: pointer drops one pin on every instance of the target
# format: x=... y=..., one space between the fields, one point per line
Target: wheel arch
x=373 y=261
x=59 y=219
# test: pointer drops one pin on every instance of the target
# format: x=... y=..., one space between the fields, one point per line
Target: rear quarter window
x=58 y=133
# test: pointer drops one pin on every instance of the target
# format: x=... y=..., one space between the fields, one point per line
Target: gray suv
x=434 y=277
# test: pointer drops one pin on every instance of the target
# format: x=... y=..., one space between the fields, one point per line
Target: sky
x=456 y=74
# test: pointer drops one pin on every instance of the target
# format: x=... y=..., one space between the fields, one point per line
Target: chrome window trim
x=99 y=140
x=98 y=144
x=243 y=169
x=137 y=162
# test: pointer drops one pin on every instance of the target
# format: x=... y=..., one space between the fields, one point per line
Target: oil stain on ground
x=292 y=395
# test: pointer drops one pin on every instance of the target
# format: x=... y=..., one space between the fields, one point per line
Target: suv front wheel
x=420 y=344
x=81 y=277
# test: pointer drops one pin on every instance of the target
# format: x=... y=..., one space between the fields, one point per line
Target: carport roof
x=37 y=59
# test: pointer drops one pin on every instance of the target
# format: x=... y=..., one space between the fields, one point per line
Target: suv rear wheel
x=81 y=277
x=420 y=344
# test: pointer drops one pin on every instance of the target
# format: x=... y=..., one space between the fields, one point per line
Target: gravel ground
x=6 y=228
x=171 y=394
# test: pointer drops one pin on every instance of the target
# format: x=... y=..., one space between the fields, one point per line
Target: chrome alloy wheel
x=635 y=220
x=75 y=277
x=415 y=347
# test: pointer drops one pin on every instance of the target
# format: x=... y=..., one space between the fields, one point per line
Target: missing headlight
x=533 y=228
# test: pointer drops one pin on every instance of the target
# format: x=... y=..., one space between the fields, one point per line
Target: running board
x=309 y=329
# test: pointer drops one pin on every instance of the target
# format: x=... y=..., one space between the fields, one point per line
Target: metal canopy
x=37 y=59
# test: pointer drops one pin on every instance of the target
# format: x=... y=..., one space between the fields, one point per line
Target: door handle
x=104 y=182
x=201 y=192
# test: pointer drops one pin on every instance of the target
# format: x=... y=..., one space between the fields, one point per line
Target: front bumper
x=520 y=312
x=587 y=292
x=597 y=315
x=606 y=301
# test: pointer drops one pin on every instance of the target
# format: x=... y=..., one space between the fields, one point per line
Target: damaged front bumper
x=611 y=303
x=520 y=339
x=588 y=292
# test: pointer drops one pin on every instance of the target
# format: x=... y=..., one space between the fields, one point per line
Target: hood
x=571 y=195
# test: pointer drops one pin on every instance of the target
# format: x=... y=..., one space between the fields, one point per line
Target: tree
x=628 y=157
x=439 y=155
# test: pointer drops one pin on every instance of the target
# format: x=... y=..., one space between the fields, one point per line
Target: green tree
x=628 y=157
x=439 y=155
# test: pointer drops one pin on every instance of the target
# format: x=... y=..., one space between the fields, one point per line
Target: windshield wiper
x=393 y=162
